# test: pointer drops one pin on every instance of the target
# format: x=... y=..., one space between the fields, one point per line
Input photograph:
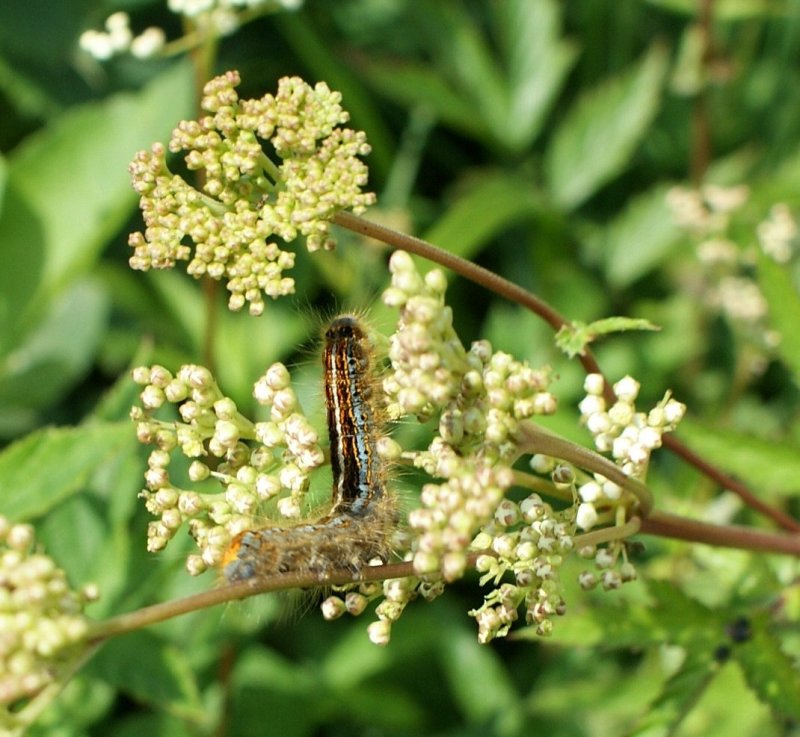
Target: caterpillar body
x=360 y=522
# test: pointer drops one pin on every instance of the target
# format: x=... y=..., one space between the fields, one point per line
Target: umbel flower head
x=258 y=465
x=42 y=626
x=472 y=510
x=251 y=198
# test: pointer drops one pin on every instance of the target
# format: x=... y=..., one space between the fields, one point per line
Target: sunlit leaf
x=639 y=238
x=728 y=10
x=597 y=139
x=772 y=466
x=678 y=696
x=783 y=298
x=538 y=60
x=770 y=671
x=574 y=337
x=73 y=176
x=162 y=676
x=495 y=203
x=47 y=466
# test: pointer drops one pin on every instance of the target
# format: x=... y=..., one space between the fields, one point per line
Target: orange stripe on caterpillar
x=359 y=525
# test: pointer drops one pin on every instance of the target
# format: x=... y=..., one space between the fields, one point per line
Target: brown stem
x=728 y=536
x=515 y=293
x=658 y=523
x=242 y=590
x=467 y=269
x=728 y=482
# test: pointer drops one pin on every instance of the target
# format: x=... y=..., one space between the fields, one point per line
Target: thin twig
x=658 y=523
x=517 y=294
x=241 y=590
x=778 y=516
x=727 y=536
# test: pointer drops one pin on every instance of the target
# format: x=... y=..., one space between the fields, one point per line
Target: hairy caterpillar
x=359 y=524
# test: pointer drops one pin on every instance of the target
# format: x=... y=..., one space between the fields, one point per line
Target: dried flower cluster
x=42 y=626
x=250 y=200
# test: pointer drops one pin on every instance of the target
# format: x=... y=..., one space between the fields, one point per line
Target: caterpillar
x=359 y=524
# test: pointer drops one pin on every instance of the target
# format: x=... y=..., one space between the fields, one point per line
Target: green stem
x=609 y=534
x=198 y=37
x=535 y=439
x=541 y=486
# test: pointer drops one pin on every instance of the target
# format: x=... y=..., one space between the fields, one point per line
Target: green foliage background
x=536 y=137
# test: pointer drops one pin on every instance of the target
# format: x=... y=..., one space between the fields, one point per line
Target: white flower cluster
x=395 y=594
x=528 y=540
x=256 y=463
x=229 y=229
x=197 y=9
x=727 y=282
x=117 y=38
x=42 y=625
x=629 y=436
x=212 y=17
x=480 y=395
x=706 y=210
x=777 y=235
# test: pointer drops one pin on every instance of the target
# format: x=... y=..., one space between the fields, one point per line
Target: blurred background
x=628 y=158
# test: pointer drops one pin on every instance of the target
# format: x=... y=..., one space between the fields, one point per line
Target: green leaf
x=57 y=352
x=21 y=264
x=266 y=683
x=639 y=616
x=573 y=338
x=770 y=672
x=679 y=695
x=639 y=238
x=24 y=92
x=83 y=702
x=784 y=309
x=410 y=84
x=72 y=177
x=467 y=89
x=47 y=466
x=769 y=465
x=496 y=202
x=3 y=181
x=151 y=670
x=352 y=661
x=537 y=61
x=468 y=60
x=479 y=682
x=727 y=10
x=596 y=141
